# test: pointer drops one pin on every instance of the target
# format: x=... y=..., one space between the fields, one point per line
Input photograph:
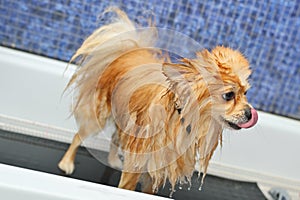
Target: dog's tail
x=102 y=47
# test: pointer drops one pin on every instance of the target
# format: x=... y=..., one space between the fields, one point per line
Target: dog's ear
x=178 y=73
x=180 y=77
x=172 y=71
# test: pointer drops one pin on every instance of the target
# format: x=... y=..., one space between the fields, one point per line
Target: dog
x=168 y=115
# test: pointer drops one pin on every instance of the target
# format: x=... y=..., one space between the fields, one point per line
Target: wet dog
x=168 y=115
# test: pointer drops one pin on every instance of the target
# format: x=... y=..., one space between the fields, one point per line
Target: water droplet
x=202 y=181
x=171 y=193
x=188 y=129
x=182 y=120
x=155 y=189
x=200 y=188
x=190 y=184
x=199 y=174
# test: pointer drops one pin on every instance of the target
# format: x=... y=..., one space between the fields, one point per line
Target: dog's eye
x=228 y=96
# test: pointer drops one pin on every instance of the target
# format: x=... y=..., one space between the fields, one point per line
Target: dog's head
x=221 y=76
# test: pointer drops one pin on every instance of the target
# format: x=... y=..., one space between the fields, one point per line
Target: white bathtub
x=31 y=103
x=15 y=185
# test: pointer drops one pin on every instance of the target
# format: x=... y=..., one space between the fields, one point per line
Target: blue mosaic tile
x=267 y=32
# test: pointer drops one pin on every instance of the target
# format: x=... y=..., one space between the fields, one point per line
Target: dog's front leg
x=129 y=180
x=147 y=184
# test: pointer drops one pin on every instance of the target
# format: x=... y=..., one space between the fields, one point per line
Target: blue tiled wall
x=268 y=32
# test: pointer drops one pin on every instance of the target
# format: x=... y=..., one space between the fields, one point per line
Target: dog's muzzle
x=249 y=119
x=252 y=116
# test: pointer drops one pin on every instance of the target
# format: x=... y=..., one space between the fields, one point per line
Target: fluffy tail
x=102 y=47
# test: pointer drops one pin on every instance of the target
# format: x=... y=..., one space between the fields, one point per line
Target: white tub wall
x=33 y=84
x=31 y=88
x=33 y=101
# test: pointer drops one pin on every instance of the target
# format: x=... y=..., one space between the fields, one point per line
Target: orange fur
x=166 y=114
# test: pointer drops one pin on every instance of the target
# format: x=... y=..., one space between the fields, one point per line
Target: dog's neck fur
x=188 y=133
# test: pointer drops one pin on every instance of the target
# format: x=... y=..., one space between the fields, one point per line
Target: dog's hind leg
x=67 y=162
x=90 y=127
x=147 y=184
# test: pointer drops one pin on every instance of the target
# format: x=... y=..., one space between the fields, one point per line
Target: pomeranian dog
x=168 y=115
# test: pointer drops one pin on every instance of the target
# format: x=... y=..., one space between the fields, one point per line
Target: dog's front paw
x=66 y=166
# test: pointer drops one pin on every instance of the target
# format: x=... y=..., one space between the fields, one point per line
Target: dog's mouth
x=233 y=125
x=248 y=124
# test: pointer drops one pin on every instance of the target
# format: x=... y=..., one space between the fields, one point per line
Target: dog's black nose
x=248 y=113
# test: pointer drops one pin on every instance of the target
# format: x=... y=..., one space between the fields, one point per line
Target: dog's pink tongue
x=252 y=121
